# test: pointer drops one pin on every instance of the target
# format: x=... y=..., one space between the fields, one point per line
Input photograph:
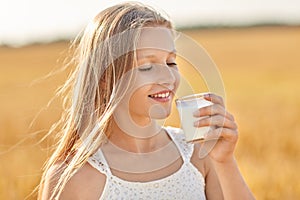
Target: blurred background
x=255 y=45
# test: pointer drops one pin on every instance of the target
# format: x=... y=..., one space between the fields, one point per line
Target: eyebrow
x=173 y=52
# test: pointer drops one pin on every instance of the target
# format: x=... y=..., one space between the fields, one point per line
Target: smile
x=161 y=96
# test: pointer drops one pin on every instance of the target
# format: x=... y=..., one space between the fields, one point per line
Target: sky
x=26 y=21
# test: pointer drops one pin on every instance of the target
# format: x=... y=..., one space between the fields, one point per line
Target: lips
x=162 y=96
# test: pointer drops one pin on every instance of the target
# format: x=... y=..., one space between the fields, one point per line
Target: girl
x=111 y=145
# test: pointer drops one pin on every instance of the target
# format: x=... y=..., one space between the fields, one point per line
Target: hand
x=225 y=131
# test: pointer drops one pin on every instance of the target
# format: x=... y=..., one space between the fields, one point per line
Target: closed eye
x=145 y=68
x=172 y=64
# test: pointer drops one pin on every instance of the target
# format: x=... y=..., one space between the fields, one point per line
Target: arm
x=213 y=188
x=231 y=181
x=223 y=180
x=221 y=155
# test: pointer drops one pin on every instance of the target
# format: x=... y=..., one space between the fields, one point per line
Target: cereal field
x=260 y=67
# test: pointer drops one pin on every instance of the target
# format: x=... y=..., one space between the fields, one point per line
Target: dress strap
x=99 y=162
x=177 y=135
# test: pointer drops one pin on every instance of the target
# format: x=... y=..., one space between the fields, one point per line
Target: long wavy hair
x=104 y=53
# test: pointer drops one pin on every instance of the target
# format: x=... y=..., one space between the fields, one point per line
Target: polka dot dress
x=187 y=183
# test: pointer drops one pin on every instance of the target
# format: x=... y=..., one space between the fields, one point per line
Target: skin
x=222 y=176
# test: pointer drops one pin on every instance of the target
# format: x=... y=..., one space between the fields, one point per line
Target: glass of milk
x=186 y=106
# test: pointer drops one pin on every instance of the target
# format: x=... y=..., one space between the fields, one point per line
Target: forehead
x=159 y=38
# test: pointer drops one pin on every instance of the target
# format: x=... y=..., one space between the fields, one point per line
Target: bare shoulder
x=87 y=183
x=213 y=188
x=202 y=164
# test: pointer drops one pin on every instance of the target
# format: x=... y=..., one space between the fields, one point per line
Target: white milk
x=186 y=109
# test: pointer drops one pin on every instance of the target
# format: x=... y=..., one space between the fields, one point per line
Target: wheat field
x=260 y=67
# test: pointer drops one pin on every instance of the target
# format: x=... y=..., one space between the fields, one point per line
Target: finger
x=222 y=133
x=216 y=120
x=214 y=99
x=213 y=110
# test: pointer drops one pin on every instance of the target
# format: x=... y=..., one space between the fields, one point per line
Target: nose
x=167 y=76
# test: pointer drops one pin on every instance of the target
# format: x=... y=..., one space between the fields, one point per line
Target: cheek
x=177 y=78
x=139 y=97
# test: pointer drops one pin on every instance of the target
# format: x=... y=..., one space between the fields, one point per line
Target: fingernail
x=196 y=113
x=207 y=95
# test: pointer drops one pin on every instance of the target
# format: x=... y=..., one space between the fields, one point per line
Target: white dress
x=187 y=183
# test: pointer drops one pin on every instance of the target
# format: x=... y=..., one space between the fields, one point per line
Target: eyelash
x=172 y=64
x=145 y=69
x=149 y=68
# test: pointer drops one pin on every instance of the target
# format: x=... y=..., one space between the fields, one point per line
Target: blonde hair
x=103 y=55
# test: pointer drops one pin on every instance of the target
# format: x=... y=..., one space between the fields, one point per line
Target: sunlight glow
x=34 y=20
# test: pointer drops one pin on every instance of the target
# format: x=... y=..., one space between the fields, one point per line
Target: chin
x=160 y=113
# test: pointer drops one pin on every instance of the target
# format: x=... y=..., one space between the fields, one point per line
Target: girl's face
x=156 y=76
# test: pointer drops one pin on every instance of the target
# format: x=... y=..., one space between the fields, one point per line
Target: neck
x=138 y=140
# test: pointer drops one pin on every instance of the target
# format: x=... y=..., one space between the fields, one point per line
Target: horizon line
x=179 y=28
